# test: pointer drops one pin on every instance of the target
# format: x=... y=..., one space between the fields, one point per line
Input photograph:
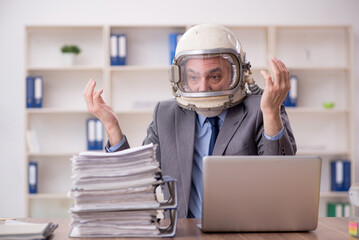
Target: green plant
x=70 y=49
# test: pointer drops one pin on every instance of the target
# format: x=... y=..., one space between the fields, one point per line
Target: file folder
x=30 y=86
x=292 y=96
x=91 y=133
x=38 y=91
x=13 y=229
x=122 y=49
x=338 y=209
x=99 y=135
x=169 y=206
x=34 y=91
x=121 y=198
x=340 y=175
x=114 y=50
x=335 y=210
x=118 y=49
x=173 y=40
x=32 y=177
x=346 y=209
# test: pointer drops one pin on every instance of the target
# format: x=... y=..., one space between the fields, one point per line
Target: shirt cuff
x=276 y=137
x=116 y=147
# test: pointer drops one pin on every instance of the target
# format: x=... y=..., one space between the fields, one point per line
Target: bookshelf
x=60 y=123
x=321 y=57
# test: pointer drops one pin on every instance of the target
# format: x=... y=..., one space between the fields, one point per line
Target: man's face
x=208 y=74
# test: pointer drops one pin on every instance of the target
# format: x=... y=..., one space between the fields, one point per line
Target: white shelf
x=134 y=111
x=52 y=28
x=50 y=196
x=65 y=68
x=307 y=110
x=52 y=154
x=138 y=68
x=334 y=194
x=321 y=152
x=55 y=111
x=317 y=68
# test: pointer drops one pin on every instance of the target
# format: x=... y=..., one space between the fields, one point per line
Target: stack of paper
x=114 y=193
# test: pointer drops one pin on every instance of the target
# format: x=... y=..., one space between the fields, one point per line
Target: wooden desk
x=328 y=229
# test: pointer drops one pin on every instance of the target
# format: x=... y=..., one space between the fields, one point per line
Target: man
x=208 y=77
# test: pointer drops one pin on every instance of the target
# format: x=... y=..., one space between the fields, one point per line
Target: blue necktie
x=215 y=129
x=195 y=204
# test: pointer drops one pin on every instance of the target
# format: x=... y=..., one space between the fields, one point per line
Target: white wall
x=15 y=14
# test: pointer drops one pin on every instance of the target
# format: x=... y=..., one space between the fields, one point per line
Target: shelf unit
x=62 y=119
x=321 y=57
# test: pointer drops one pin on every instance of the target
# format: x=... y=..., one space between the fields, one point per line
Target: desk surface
x=328 y=229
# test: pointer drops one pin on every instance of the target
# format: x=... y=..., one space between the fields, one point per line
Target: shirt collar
x=202 y=119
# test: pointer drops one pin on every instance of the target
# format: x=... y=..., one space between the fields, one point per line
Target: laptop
x=260 y=193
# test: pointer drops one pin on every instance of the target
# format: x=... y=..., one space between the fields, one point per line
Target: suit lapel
x=185 y=131
x=233 y=120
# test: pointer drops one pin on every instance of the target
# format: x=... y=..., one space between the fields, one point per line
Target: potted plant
x=69 y=53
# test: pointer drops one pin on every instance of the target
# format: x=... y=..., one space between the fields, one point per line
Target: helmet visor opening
x=208 y=73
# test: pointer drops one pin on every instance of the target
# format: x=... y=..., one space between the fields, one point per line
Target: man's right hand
x=97 y=106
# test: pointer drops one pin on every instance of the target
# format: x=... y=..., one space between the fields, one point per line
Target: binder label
x=99 y=131
x=113 y=46
x=122 y=46
x=340 y=172
x=32 y=175
x=91 y=130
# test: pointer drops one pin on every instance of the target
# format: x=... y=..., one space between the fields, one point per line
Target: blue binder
x=122 y=49
x=38 y=83
x=118 y=49
x=114 y=50
x=340 y=175
x=32 y=177
x=91 y=134
x=292 y=96
x=99 y=135
x=34 y=91
x=173 y=40
x=30 y=91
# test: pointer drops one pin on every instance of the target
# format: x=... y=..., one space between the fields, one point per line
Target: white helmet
x=207 y=73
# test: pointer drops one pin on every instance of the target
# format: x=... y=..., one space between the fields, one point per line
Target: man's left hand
x=275 y=92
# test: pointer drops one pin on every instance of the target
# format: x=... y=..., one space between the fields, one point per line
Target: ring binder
x=170 y=205
x=115 y=195
x=32 y=177
x=170 y=230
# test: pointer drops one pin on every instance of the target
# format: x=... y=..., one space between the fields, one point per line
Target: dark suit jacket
x=173 y=129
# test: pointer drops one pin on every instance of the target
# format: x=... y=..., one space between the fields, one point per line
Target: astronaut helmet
x=207 y=73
